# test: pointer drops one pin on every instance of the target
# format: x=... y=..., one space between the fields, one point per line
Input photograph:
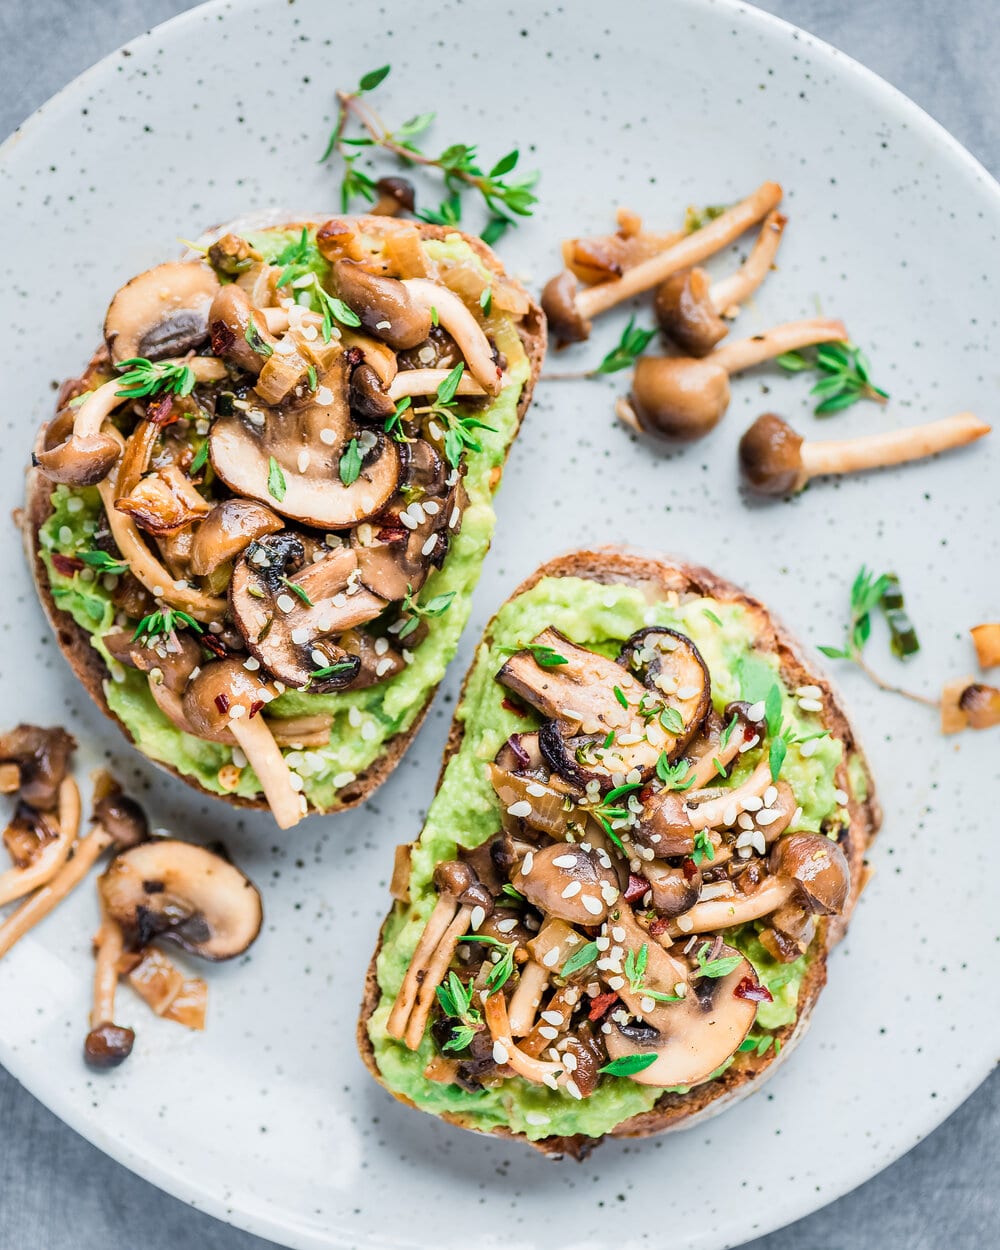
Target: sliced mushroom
x=162 y=312
x=287 y=610
x=38 y=844
x=670 y=665
x=682 y=398
x=178 y=892
x=239 y=333
x=226 y=698
x=42 y=758
x=164 y=502
x=776 y=461
x=227 y=531
x=568 y=882
x=690 y=308
x=569 y=310
x=292 y=465
x=540 y=805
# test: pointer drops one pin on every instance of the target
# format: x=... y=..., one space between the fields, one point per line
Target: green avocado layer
x=465 y=813
x=363 y=720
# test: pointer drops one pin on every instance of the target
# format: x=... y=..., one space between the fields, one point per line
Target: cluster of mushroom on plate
x=268 y=514
x=154 y=889
x=682 y=396
x=597 y=932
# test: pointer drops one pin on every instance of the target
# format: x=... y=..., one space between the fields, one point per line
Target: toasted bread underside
x=659 y=577
x=87 y=664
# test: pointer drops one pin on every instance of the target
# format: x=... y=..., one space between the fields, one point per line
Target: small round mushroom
x=395 y=196
x=162 y=312
x=570 y=310
x=385 y=306
x=42 y=759
x=565 y=881
x=225 y=696
x=107 y=1044
x=775 y=460
x=818 y=866
x=178 y=892
x=690 y=308
x=681 y=398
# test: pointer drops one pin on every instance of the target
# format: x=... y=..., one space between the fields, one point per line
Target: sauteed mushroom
x=227 y=531
x=39 y=844
x=41 y=757
x=162 y=312
x=568 y=882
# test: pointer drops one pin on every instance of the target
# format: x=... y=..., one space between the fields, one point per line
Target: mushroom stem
x=717 y=914
x=712 y=812
x=691 y=250
x=892 y=447
x=526 y=999
x=436 y=968
x=454 y=317
x=426 y=382
x=265 y=758
x=746 y=353
x=739 y=285
x=540 y=1071
x=705 y=768
x=100 y=404
x=36 y=908
x=16 y=882
x=438 y=922
x=109 y=946
x=10 y=778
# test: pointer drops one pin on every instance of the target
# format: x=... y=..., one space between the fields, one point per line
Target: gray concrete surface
x=59 y=1193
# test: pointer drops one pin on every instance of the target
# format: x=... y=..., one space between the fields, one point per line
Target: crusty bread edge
x=86 y=662
x=675 y=1111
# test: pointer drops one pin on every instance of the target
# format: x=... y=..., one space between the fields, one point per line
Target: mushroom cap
x=678 y=398
x=161 y=312
x=181 y=655
x=981 y=704
x=182 y=893
x=368 y=397
x=565 y=881
x=818 y=866
x=771 y=456
x=385 y=306
x=397 y=190
x=219 y=688
x=664 y=826
x=42 y=758
x=79 y=461
x=122 y=817
x=669 y=664
x=228 y=530
x=685 y=312
x=229 y=321
x=559 y=306
x=107 y=1046
x=459 y=881
x=673 y=891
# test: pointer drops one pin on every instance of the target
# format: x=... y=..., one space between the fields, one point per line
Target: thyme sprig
x=413 y=611
x=506 y=196
x=633 y=342
x=458 y=434
x=845 y=376
x=141 y=378
x=162 y=622
x=456 y=1003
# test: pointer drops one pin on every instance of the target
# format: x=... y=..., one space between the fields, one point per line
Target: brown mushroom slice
x=570 y=311
x=292 y=465
x=683 y=398
x=107 y=1044
x=691 y=1038
x=167 y=991
x=538 y=804
x=286 y=610
x=775 y=460
x=386 y=306
x=238 y=330
x=41 y=757
x=569 y=882
x=51 y=842
x=178 y=892
x=226 y=698
x=164 y=502
x=227 y=531
x=669 y=663
x=162 y=312
x=169 y=663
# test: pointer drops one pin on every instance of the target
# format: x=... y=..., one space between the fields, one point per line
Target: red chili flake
x=215 y=645
x=161 y=411
x=601 y=1005
x=511 y=706
x=222 y=702
x=354 y=356
x=391 y=534
x=749 y=989
x=689 y=868
x=255 y=708
x=67 y=565
x=660 y=925
x=222 y=338
x=636 y=888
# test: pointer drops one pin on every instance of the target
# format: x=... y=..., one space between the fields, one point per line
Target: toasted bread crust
x=86 y=662
x=674 y=1111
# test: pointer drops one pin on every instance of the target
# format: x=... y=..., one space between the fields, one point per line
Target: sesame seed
x=429 y=545
x=753 y=802
x=603 y=942
x=551 y=958
x=430 y=507
x=368 y=731
x=535 y=1118
x=688 y=692
x=500 y=1053
x=383 y=666
x=647 y=1004
x=407 y=520
x=286 y=603
x=324 y=395
x=354 y=716
x=572 y=890
x=300 y=636
x=842 y=797
x=508 y=925
x=749 y=744
x=745 y=838
x=548 y=1032
x=303 y=460
x=526 y=863
x=456 y=516
x=616 y=983
x=239 y=758
x=549 y=1080
x=729 y=815
x=685 y=924
x=796 y=816
x=237 y=711
x=563 y=861
x=770 y=795
x=574 y=1089
x=593 y=905
x=535 y=790
x=383 y=325
x=570 y=1060
x=767 y=816
x=809 y=692
x=478 y=916
x=520 y=809
x=756 y=711
x=808 y=749
x=759 y=845
x=381 y=646
x=317 y=656
x=343 y=779
x=296 y=782
x=811 y=705
x=328 y=436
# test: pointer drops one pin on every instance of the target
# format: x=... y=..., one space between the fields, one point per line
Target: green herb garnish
x=350 y=463
x=296 y=589
x=164 y=621
x=587 y=953
x=142 y=377
x=628 y=1065
x=414 y=610
x=674 y=776
x=704 y=848
x=715 y=968
x=627 y=350
x=276 y=484
x=546 y=657
x=103 y=563
x=845 y=376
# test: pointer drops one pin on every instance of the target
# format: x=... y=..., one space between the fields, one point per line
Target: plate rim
x=245 y=1216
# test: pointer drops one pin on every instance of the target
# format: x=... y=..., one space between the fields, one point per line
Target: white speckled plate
x=269 y=1120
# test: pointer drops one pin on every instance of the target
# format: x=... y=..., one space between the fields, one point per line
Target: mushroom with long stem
x=683 y=398
x=107 y=1044
x=52 y=851
x=776 y=460
x=570 y=310
x=690 y=308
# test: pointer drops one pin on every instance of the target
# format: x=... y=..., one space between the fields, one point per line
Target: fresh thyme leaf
x=369 y=81
x=413 y=610
x=350 y=463
x=438 y=605
x=486 y=300
x=200 y=459
x=256 y=340
x=276 y=484
x=704 y=848
x=609 y=740
x=673 y=775
x=715 y=968
x=695 y=218
x=632 y=344
x=446 y=391
x=635 y=967
x=620 y=696
x=311 y=375
x=580 y=958
x=845 y=376
x=165 y=621
x=672 y=721
x=298 y=590
x=509 y=890
x=333 y=309
x=331 y=670
x=494 y=230
x=628 y=1065
x=776 y=756
x=103 y=563
x=727 y=733
x=141 y=378
x=545 y=657
x=772 y=710
x=711 y=616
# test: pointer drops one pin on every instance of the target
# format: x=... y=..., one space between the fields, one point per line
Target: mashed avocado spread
x=465 y=813
x=363 y=720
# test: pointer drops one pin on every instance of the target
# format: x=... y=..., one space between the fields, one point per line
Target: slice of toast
x=88 y=665
x=660 y=578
